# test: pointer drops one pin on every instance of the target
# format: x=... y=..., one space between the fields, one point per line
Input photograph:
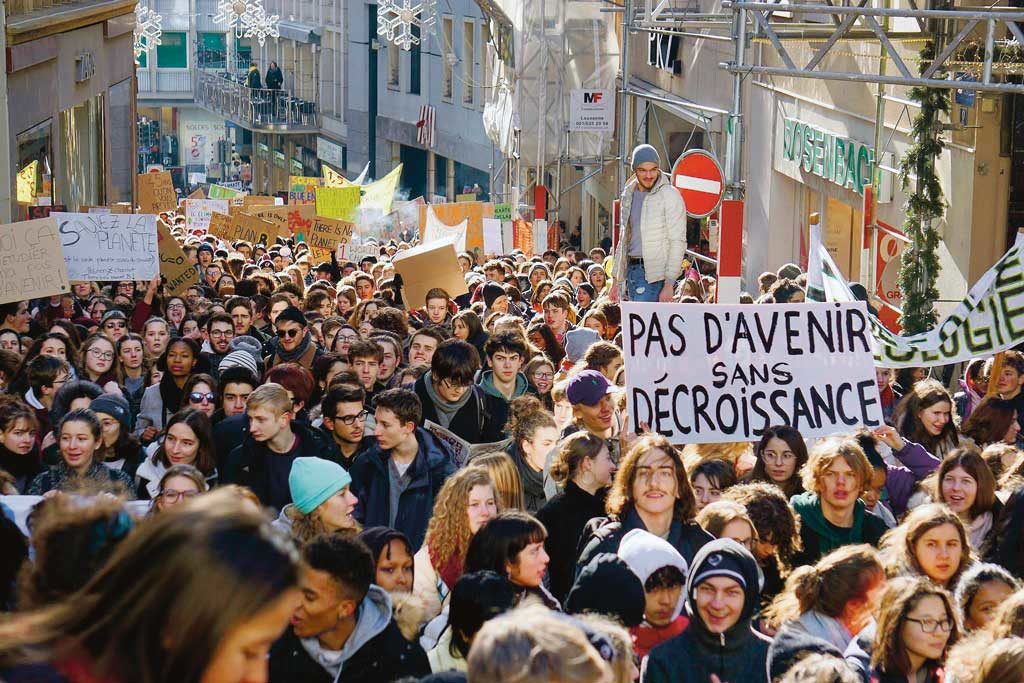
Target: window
x=468 y=58
x=34 y=180
x=143 y=59
x=213 y=50
x=243 y=55
x=414 y=63
x=172 y=52
x=447 y=56
x=394 y=66
x=485 y=59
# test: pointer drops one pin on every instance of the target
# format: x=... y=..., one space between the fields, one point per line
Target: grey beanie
x=240 y=358
x=577 y=341
x=250 y=345
x=643 y=154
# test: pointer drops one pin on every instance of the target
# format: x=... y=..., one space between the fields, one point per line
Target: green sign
x=837 y=159
x=503 y=212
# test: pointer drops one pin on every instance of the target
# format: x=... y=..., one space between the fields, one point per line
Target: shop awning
x=299 y=32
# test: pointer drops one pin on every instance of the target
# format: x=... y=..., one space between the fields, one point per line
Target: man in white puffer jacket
x=652 y=242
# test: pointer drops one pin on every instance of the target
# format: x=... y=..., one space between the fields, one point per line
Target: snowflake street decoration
x=147 y=29
x=396 y=19
x=248 y=18
x=261 y=25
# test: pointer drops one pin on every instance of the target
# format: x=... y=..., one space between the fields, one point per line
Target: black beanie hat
x=492 y=290
x=291 y=314
x=608 y=586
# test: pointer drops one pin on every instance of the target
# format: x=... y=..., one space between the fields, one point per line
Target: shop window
x=142 y=61
x=243 y=55
x=34 y=180
x=840 y=231
x=468 y=58
x=414 y=64
x=172 y=52
x=213 y=50
x=394 y=66
x=80 y=169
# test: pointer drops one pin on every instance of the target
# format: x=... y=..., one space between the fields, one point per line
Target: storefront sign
x=592 y=110
x=331 y=152
x=840 y=160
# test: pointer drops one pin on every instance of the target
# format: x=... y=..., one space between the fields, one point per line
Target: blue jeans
x=638 y=288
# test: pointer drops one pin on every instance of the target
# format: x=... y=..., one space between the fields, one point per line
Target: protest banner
x=331 y=178
x=156 y=193
x=296 y=220
x=988 y=320
x=338 y=202
x=725 y=373
x=302 y=189
x=222 y=192
x=243 y=226
x=436 y=231
x=452 y=214
x=503 y=212
x=198 y=212
x=356 y=252
x=31 y=263
x=325 y=236
x=220 y=225
x=426 y=266
x=174 y=265
x=381 y=193
x=108 y=246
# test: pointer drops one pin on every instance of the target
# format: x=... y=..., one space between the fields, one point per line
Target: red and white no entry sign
x=700 y=181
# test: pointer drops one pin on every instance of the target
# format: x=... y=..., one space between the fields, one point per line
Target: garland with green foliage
x=919 y=264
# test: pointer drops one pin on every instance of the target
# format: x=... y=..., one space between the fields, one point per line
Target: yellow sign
x=302 y=189
x=332 y=178
x=381 y=193
x=337 y=202
x=27 y=183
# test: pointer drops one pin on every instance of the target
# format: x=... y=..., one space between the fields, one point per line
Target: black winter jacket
x=738 y=654
x=565 y=517
x=371 y=477
x=469 y=423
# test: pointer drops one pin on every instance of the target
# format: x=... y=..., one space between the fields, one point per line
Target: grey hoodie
x=374 y=616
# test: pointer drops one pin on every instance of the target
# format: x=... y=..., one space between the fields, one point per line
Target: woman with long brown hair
x=931 y=542
x=994 y=420
x=925 y=416
x=465 y=503
x=916 y=626
x=965 y=483
x=780 y=454
x=198 y=595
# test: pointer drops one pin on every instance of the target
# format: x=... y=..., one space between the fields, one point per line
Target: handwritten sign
x=722 y=373
x=221 y=192
x=302 y=189
x=178 y=273
x=220 y=225
x=337 y=202
x=108 y=246
x=31 y=264
x=356 y=252
x=199 y=211
x=325 y=236
x=156 y=193
x=503 y=212
x=295 y=220
x=242 y=226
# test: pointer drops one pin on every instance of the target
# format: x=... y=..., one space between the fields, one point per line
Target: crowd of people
x=267 y=478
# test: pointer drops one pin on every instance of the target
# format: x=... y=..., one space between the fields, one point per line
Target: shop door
x=841 y=233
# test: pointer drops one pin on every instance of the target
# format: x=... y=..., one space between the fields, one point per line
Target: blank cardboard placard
x=492 y=237
x=455 y=213
x=33 y=263
x=427 y=266
x=174 y=265
x=156 y=192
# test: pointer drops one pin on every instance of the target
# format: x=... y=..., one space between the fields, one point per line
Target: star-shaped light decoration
x=396 y=19
x=147 y=29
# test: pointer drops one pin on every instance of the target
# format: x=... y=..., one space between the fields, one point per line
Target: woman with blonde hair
x=322 y=501
x=464 y=504
x=931 y=542
x=508 y=487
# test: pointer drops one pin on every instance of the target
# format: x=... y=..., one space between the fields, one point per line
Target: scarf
x=645 y=637
x=170 y=395
x=826 y=628
x=452 y=569
x=445 y=411
x=979 y=529
x=830 y=537
x=294 y=356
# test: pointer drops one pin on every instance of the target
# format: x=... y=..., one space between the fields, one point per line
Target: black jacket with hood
x=738 y=654
x=481 y=420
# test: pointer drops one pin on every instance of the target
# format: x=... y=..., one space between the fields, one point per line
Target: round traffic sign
x=699 y=179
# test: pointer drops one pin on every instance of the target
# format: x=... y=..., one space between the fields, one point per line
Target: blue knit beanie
x=314 y=480
x=643 y=154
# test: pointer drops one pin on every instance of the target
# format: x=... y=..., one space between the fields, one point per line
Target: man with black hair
x=663 y=572
x=451 y=399
x=506 y=353
x=398 y=478
x=46 y=375
x=240 y=308
x=15 y=316
x=344 y=414
x=342 y=630
x=219 y=330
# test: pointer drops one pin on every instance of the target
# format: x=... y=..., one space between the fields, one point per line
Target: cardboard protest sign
x=426 y=266
x=174 y=265
x=108 y=246
x=249 y=228
x=220 y=225
x=221 y=192
x=199 y=211
x=156 y=193
x=31 y=263
x=723 y=373
x=295 y=220
x=302 y=189
x=473 y=213
x=197 y=194
x=503 y=212
x=356 y=252
x=325 y=236
x=338 y=202
x=522 y=236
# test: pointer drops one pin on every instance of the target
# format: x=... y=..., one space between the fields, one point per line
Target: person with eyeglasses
x=114 y=324
x=200 y=393
x=344 y=415
x=180 y=484
x=294 y=342
x=99 y=362
x=218 y=333
x=916 y=626
x=451 y=399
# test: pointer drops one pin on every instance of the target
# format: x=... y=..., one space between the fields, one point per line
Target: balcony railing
x=259 y=109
